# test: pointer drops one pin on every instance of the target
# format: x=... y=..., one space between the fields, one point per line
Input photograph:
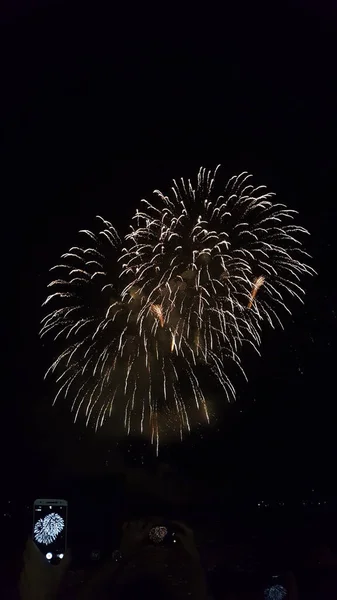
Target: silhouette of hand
x=186 y=538
x=39 y=580
x=135 y=534
x=291 y=585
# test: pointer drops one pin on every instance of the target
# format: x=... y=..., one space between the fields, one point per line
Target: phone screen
x=50 y=528
x=276 y=590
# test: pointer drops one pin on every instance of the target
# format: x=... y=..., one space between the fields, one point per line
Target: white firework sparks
x=195 y=279
x=275 y=592
x=47 y=529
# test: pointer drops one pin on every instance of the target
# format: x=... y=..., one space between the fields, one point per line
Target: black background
x=99 y=107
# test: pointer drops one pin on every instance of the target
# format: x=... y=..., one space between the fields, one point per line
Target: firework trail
x=191 y=283
x=47 y=529
x=256 y=285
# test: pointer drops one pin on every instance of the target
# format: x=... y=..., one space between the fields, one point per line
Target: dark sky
x=100 y=107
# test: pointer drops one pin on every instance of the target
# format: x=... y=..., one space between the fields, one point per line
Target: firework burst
x=47 y=529
x=193 y=281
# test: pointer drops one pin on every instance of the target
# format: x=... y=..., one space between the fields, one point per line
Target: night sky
x=98 y=109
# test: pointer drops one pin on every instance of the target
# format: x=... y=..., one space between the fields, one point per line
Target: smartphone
x=50 y=527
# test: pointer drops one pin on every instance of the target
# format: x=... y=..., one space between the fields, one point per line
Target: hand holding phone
x=135 y=534
x=184 y=535
x=39 y=580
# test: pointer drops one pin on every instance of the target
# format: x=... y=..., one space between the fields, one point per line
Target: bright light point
x=60 y=556
x=49 y=556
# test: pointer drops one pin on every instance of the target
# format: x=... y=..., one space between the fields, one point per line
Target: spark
x=256 y=286
x=157 y=311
